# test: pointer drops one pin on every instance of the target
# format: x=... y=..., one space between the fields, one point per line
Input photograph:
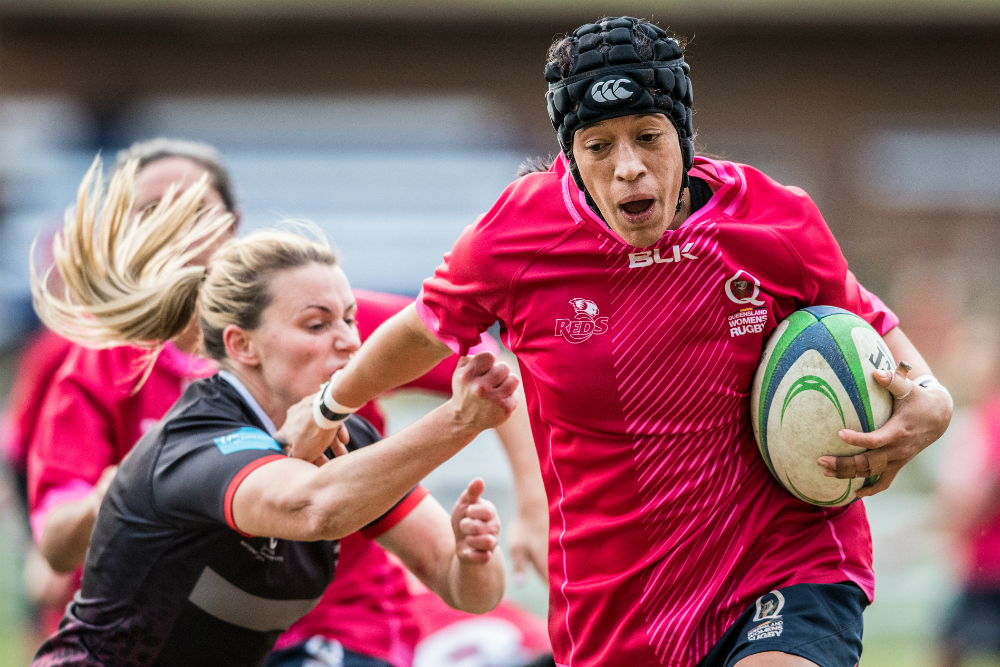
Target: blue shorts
x=321 y=652
x=819 y=622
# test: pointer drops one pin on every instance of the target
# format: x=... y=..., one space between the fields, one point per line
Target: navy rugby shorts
x=819 y=622
x=321 y=652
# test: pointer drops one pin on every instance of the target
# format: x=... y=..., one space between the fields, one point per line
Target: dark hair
x=535 y=164
x=147 y=152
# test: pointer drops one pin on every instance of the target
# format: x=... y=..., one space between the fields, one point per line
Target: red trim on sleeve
x=395 y=515
x=235 y=484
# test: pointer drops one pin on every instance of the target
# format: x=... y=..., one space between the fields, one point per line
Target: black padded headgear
x=616 y=81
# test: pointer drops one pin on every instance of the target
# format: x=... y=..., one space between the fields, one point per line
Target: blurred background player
x=670 y=541
x=93 y=414
x=969 y=491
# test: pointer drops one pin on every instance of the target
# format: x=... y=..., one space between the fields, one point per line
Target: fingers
x=865 y=464
x=477 y=530
x=896 y=382
x=474 y=490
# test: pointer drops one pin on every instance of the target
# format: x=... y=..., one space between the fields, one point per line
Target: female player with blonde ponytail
x=210 y=541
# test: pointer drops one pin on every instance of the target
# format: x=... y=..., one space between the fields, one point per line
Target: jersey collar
x=251 y=401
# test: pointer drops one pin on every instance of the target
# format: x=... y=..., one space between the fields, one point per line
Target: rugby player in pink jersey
x=618 y=276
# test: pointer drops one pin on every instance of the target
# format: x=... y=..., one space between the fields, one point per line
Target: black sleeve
x=198 y=473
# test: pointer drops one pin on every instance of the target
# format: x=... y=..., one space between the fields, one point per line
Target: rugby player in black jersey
x=210 y=541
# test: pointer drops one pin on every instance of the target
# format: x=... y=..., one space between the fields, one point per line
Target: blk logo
x=637 y=260
x=584 y=324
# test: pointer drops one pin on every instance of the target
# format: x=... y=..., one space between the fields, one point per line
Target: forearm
x=515 y=436
x=903 y=350
x=475 y=587
x=351 y=491
x=66 y=535
x=399 y=351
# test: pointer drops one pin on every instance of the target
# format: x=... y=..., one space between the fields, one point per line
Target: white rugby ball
x=815 y=378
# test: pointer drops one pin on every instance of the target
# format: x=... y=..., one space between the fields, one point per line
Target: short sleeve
x=196 y=478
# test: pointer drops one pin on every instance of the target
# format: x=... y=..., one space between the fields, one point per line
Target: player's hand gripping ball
x=815 y=378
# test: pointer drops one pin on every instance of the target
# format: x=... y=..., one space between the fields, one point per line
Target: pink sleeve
x=884 y=320
x=466 y=293
x=74 y=438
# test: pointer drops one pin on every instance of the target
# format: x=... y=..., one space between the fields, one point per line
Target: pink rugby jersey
x=637 y=364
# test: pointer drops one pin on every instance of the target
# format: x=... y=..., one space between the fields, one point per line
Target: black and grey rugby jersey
x=168 y=578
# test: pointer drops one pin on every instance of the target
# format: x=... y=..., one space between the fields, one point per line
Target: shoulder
x=106 y=375
x=750 y=195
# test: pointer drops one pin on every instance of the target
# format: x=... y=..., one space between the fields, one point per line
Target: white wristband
x=928 y=381
x=328 y=413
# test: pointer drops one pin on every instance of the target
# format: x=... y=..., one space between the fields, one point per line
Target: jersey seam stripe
x=233 y=485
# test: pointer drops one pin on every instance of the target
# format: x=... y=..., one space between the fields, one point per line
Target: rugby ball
x=815 y=378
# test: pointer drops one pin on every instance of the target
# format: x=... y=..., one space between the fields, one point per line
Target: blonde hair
x=129 y=278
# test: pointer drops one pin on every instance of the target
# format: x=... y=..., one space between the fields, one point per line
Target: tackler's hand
x=476 y=525
x=920 y=416
x=304 y=439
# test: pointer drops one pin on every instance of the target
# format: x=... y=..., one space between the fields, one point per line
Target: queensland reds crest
x=585 y=322
x=743 y=288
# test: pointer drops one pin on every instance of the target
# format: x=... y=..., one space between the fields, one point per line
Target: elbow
x=326 y=519
x=59 y=560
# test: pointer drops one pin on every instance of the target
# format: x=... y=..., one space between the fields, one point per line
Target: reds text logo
x=584 y=324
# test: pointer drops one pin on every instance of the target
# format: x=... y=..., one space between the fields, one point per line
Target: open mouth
x=637 y=207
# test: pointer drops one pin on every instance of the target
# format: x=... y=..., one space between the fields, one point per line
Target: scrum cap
x=609 y=78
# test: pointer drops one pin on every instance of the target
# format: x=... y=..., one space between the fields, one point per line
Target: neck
x=252 y=379
x=685 y=211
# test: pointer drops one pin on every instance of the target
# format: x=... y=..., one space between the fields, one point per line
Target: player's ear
x=240 y=346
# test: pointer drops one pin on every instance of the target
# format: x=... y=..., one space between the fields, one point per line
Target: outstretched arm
x=292 y=499
x=920 y=416
x=458 y=559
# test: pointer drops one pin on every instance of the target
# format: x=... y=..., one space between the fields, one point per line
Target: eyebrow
x=353 y=306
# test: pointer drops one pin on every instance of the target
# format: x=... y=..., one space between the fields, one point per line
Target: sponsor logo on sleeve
x=743 y=288
x=584 y=324
x=748 y=320
x=244 y=439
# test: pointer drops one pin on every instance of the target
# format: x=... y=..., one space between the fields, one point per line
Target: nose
x=348 y=341
x=629 y=165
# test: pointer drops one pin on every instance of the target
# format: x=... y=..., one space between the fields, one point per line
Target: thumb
x=896 y=382
x=472 y=492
